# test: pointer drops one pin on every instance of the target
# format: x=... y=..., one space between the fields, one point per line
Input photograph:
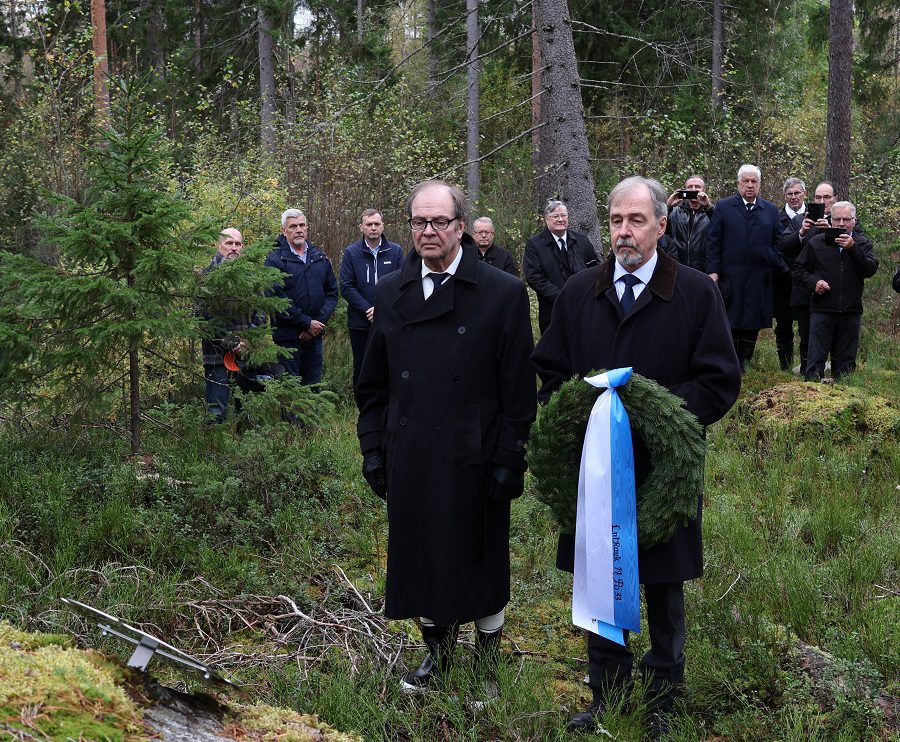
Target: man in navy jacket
x=363 y=263
x=311 y=287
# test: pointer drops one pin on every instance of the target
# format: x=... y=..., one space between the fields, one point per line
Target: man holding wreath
x=642 y=309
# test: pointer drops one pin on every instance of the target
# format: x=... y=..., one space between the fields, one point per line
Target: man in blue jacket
x=363 y=263
x=310 y=286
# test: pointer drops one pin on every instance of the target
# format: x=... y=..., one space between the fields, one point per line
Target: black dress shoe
x=659 y=727
x=586 y=721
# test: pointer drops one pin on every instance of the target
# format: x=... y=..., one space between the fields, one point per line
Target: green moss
x=810 y=410
x=265 y=723
x=51 y=688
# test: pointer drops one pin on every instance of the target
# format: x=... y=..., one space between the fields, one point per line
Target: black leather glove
x=373 y=471
x=506 y=484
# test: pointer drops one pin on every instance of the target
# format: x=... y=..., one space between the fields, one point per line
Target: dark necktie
x=437 y=279
x=564 y=254
x=627 y=299
x=749 y=208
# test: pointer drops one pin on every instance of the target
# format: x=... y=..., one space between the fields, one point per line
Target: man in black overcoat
x=671 y=327
x=552 y=256
x=741 y=256
x=446 y=398
x=489 y=251
x=790 y=222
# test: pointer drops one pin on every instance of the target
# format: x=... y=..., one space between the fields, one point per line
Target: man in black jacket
x=688 y=224
x=483 y=231
x=790 y=221
x=834 y=272
x=552 y=256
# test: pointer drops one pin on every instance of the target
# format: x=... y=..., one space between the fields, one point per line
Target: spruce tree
x=124 y=274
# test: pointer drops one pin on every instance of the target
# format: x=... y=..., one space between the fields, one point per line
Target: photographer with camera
x=833 y=265
x=689 y=213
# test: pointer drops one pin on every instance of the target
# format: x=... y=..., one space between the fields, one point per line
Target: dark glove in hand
x=373 y=471
x=506 y=483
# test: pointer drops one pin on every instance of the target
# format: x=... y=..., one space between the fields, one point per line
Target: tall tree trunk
x=266 y=81
x=155 y=30
x=101 y=62
x=198 y=36
x=716 y=67
x=473 y=72
x=360 y=13
x=432 y=52
x=570 y=174
x=541 y=193
x=840 y=80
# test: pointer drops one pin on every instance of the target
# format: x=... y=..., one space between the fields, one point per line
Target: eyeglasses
x=483 y=231
x=794 y=194
x=440 y=224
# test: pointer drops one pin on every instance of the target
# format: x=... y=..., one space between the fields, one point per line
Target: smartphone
x=689 y=195
x=815 y=211
x=831 y=233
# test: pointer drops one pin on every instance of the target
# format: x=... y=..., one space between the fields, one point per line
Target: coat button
x=456 y=378
x=402 y=421
x=461 y=329
x=404 y=374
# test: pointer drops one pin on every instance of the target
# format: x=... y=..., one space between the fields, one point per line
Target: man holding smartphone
x=689 y=214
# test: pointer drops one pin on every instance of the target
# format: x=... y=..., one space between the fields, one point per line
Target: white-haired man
x=833 y=267
x=311 y=287
x=742 y=255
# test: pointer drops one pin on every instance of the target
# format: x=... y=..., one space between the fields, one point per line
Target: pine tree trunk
x=266 y=82
x=432 y=52
x=840 y=80
x=198 y=36
x=473 y=72
x=537 y=135
x=360 y=13
x=101 y=61
x=570 y=175
x=716 y=67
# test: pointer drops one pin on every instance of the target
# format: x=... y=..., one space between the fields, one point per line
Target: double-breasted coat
x=546 y=270
x=446 y=392
x=677 y=334
x=742 y=247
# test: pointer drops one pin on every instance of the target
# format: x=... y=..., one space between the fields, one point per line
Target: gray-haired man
x=552 y=256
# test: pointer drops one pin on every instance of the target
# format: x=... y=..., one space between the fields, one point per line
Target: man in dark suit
x=790 y=221
x=446 y=398
x=552 y=256
x=741 y=256
x=483 y=231
x=642 y=309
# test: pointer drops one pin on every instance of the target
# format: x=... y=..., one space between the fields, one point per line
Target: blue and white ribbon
x=606 y=593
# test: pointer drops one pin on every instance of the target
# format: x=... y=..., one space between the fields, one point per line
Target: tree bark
x=570 y=176
x=473 y=72
x=101 y=62
x=840 y=80
x=716 y=66
x=360 y=13
x=432 y=53
x=266 y=81
x=537 y=135
x=198 y=36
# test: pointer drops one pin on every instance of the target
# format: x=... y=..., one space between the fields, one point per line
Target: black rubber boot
x=440 y=642
x=487 y=655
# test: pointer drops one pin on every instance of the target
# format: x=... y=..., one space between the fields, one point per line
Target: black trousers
x=662 y=668
x=358 y=340
x=744 y=345
x=836 y=335
x=784 y=322
x=801 y=316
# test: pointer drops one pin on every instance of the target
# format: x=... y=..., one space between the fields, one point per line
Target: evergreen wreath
x=673 y=437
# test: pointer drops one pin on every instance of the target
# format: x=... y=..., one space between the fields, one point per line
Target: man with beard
x=640 y=308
